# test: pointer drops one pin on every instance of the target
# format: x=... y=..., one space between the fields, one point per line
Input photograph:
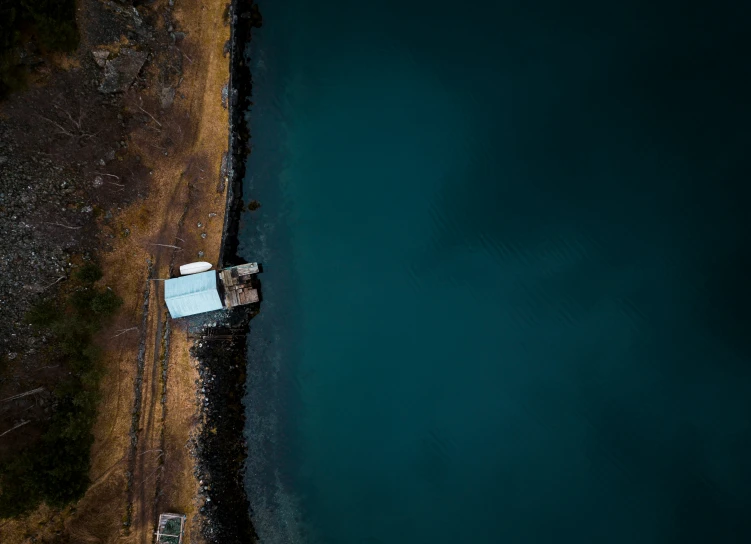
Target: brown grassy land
x=182 y=146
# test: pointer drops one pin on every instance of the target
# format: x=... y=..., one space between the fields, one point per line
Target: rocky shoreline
x=240 y=87
x=219 y=340
x=219 y=446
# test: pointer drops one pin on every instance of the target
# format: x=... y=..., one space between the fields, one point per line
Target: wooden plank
x=248 y=296
x=248 y=269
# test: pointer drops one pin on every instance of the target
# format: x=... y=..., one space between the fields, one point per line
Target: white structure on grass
x=170 y=529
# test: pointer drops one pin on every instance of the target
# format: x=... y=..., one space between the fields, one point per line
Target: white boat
x=194 y=268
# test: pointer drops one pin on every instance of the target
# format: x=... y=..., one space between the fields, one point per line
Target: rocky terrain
x=65 y=166
x=64 y=159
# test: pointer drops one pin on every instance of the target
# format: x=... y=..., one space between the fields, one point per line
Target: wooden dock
x=237 y=283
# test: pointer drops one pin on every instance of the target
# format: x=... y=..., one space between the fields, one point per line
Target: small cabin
x=212 y=290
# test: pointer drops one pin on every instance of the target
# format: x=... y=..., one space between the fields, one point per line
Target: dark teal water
x=506 y=273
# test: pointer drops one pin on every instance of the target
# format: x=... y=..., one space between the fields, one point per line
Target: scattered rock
x=120 y=72
x=167 y=97
x=100 y=57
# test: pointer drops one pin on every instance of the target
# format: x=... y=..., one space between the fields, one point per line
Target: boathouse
x=193 y=294
x=212 y=290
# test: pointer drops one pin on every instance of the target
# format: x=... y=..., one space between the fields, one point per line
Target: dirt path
x=162 y=478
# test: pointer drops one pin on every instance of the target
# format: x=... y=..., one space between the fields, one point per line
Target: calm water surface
x=506 y=273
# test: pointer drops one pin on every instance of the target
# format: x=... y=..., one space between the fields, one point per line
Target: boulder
x=120 y=72
x=167 y=97
x=100 y=57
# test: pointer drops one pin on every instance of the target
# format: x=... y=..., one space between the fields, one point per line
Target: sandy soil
x=141 y=465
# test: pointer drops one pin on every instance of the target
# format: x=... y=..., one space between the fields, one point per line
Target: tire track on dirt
x=136 y=411
x=145 y=468
x=164 y=360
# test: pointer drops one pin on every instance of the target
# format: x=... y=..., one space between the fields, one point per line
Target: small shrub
x=89 y=273
x=21 y=490
x=93 y=304
x=82 y=299
x=73 y=337
x=106 y=303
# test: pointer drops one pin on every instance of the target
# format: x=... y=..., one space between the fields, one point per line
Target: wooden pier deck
x=237 y=283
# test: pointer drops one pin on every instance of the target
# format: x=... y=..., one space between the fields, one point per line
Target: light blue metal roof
x=193 y=294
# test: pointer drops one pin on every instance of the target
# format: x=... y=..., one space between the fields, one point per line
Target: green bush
x=73 y=337
x=100 y=303
x=21 y=491
x=89 y=273
x=106 y=302
x=81 y=300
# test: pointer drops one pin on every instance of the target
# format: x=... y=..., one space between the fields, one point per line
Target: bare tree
x=75 y=127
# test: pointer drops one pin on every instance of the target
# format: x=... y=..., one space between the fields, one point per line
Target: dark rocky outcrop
x=220 y=447
x=120 y=72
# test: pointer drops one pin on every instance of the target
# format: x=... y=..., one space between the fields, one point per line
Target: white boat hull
x=194 y=268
